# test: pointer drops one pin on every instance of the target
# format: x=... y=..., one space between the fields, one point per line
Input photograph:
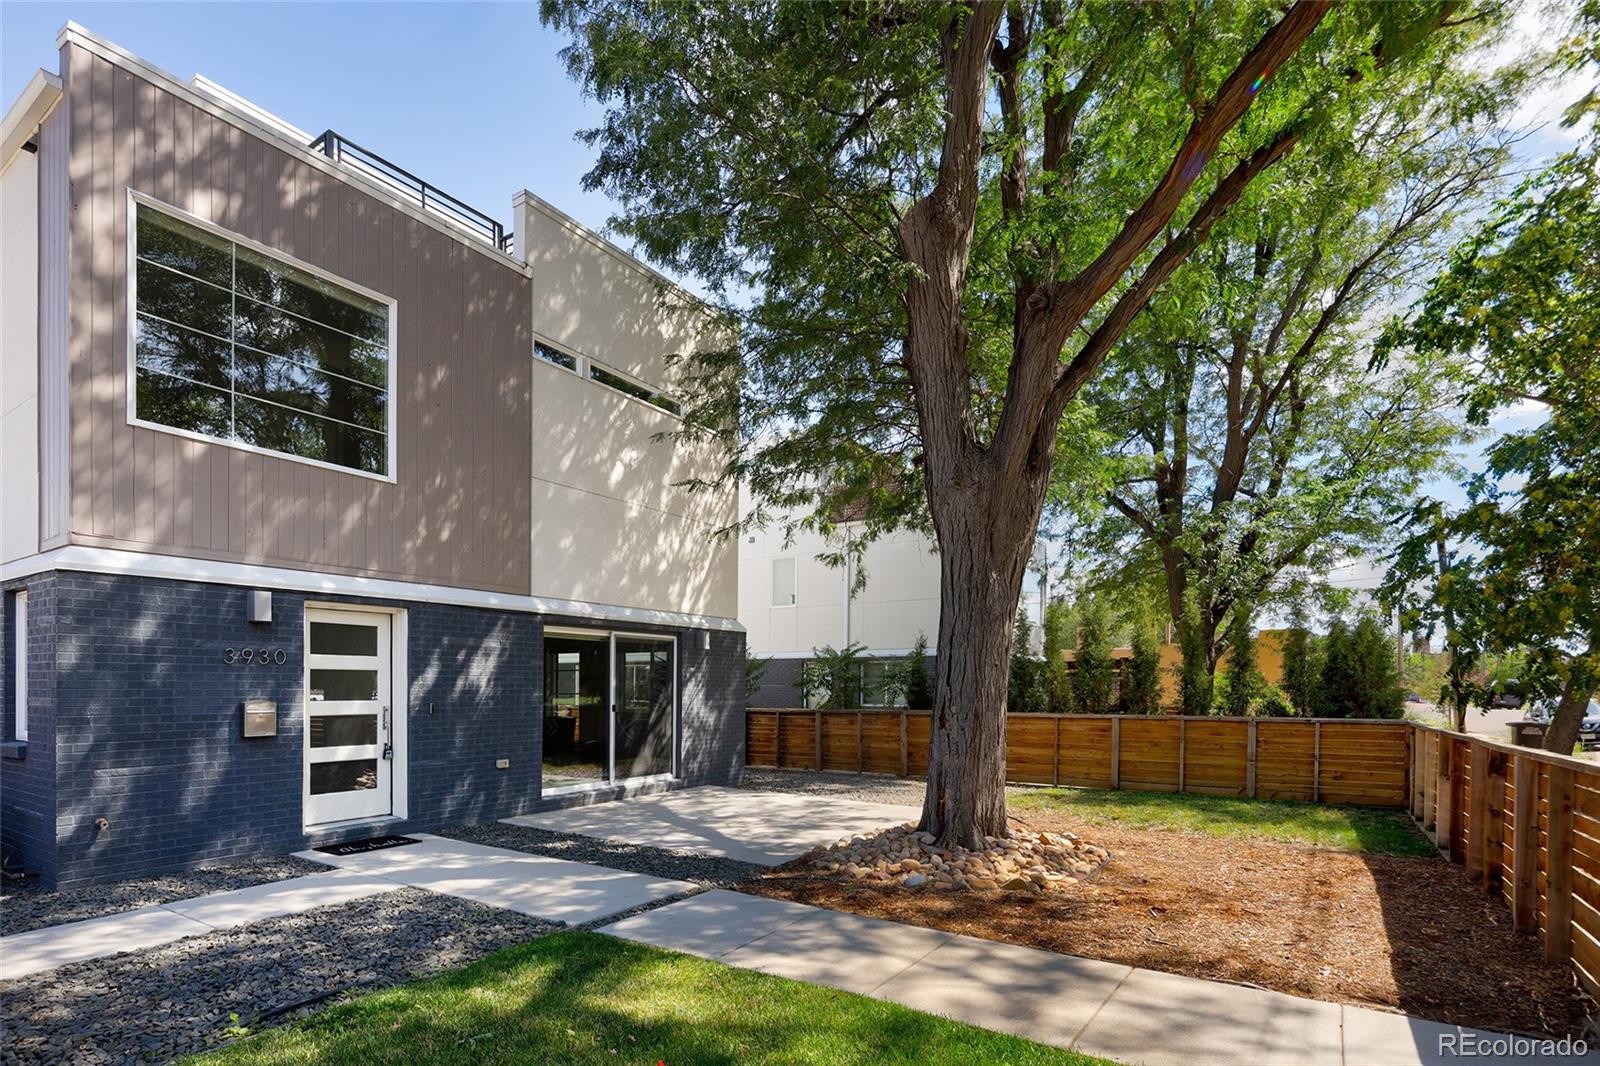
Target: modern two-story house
x=328 y=507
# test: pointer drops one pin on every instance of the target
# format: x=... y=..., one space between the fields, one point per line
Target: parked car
x=1506 y=697
x=1412 y=697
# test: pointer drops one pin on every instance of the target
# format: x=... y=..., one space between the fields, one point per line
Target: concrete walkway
x=536 y=885
x=38 y=950
x=1098 y=1008
x=768 y=828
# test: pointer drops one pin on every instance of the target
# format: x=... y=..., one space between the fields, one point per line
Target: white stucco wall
x=611 y=522
x=19 y=357
x=900 y=600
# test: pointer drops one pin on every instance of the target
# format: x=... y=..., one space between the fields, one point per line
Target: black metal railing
x=431 y=198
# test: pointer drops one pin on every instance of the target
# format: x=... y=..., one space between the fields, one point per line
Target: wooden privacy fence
x=1526 y=824
x=1316 y=760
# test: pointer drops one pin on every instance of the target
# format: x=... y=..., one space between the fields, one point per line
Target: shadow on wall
x=613 y=520
x=148 y=723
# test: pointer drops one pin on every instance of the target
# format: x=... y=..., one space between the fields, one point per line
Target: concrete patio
x=1120 y=1012
x=535 y=885
x=768 y=828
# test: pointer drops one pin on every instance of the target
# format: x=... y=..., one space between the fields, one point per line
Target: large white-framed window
x=19 y=621
x=783 y=582
x=236 y=343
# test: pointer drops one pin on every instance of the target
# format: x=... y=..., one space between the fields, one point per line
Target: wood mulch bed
x=1415 y=935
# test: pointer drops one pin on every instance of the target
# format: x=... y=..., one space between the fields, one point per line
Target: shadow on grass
x=579 y=997
x=1367 y=829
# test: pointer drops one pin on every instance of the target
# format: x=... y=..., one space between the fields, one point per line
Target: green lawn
x=578 y=997
x=1374 y=829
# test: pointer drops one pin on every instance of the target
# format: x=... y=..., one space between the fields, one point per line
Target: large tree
x=1517 y=569
x=933 y=222
x=1254 y=445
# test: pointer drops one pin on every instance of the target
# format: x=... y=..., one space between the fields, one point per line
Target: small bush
x=1094 y=682
x=1141 y=691
x=1274 y=703
x=1194 y=672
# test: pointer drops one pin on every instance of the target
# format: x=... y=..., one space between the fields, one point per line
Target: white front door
x=349 y=736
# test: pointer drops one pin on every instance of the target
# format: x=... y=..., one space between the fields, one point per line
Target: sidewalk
x=536 y=885
x=1098 y=1008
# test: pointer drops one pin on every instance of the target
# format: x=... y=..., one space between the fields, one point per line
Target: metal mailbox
x=260 y=718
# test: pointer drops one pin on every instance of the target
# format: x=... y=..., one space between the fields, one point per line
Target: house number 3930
x=260 y=656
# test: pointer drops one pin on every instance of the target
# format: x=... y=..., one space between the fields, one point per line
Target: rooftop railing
x=429 y=197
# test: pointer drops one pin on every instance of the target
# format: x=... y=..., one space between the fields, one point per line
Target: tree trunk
x=1563 y=731
x=985 y=541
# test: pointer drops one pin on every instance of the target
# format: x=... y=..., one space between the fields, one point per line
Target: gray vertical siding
x=459 y=512
x=54 y=145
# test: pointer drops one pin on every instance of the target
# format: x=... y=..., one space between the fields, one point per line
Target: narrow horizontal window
x=232 y=343
x=556 y=356
x=633 y=388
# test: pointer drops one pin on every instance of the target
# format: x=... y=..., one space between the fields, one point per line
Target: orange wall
x=1269 y=660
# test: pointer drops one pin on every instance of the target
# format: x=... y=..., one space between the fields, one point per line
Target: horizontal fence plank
x=1365 y=762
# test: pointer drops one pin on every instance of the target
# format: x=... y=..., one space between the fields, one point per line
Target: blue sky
x=470 y=97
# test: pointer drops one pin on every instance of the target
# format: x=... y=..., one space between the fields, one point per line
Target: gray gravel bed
x=26 y=906
x=868 y=788
x=711 y=871
x=185 y=997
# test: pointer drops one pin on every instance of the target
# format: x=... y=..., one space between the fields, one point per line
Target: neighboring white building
x=791 y=603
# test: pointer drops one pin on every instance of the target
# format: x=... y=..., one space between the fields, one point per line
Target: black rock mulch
x=193 y=994
x=24 y=905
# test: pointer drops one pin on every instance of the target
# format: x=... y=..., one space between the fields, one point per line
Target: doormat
x=356 y=847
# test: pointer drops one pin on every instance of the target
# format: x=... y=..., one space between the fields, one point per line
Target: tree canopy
x=1251 y=445
x=933 y=223
x=1518 y=568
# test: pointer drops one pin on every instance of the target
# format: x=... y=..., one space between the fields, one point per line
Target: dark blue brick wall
x=477 y=691
x=147 y=722
x=28 y=784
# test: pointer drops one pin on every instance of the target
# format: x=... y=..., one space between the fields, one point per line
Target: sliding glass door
x=609 y=709
x=577 y=709
x=644 y=706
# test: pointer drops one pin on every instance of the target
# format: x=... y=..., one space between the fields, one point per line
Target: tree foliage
x=1518 y=568
x=1300 y=670
x=1337 y=681
x=1094 y=676
x=1025 y=688
x=1245 y=682
x=1251 y=444
x=1141 y=690
x=1057 y=634
x=1377 y=691
x=918 y=693
x=831 y=678
x=1194 y=668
